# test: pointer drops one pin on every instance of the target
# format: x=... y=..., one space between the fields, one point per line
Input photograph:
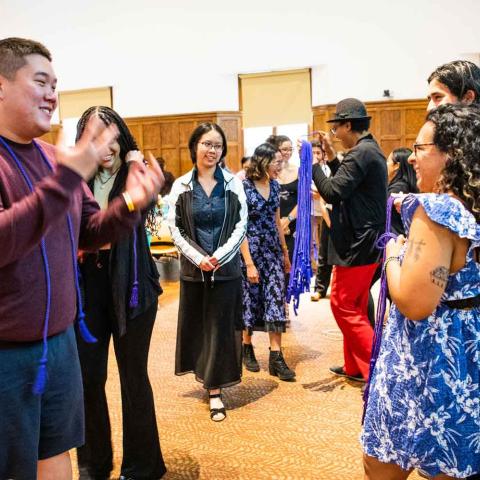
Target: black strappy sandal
x=217 y=411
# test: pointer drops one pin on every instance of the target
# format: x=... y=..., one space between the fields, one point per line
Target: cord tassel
x=382 y=303
x=134 y=296
x=84 y=331
x=41 y=378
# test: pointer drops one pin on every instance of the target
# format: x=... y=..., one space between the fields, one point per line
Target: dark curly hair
x=262 y=157
x=457 y=133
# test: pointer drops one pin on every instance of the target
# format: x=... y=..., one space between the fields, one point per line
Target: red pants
x=349 y=302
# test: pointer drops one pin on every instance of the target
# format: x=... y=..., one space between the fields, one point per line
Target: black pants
x=142 y=458
x=324 y=270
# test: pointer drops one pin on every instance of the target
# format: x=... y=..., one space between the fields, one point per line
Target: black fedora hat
x=349 y=109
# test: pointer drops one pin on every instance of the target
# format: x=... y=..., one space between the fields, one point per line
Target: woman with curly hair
x=263 y=264
x=424 y=397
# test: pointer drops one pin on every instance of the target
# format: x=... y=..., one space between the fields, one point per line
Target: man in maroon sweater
x=46 y=213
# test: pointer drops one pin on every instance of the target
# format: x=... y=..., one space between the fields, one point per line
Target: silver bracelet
x=390 y=259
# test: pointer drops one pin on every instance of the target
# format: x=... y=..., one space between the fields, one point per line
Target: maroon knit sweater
x=24 y=218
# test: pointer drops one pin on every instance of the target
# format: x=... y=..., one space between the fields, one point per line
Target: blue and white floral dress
x=424 y=403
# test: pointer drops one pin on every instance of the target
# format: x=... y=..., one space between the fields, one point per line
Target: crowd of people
x=77 y=271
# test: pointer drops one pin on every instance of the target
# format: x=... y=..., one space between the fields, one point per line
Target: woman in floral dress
x=265 y=261
x=424 y=401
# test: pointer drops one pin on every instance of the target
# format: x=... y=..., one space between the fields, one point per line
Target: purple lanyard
x=40 y=380
x=382 y=302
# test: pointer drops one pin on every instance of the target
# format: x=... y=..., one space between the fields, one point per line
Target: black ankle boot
x=249 y=359
x=278 y=367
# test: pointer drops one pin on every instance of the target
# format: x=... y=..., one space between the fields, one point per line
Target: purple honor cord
x=301 y=269
x=41 y=378
x=382 y=302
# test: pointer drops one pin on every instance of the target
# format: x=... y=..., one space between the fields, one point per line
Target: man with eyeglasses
x=357 y=191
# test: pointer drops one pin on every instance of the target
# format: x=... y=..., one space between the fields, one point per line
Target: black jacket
x=357 y=190
x=121 y=267
x=180 y=221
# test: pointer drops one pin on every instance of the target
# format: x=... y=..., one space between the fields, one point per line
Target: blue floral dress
x=264 y=302
x=424 y=404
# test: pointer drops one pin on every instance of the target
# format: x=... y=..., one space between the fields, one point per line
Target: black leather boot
x=278 y=367
x=249 y=359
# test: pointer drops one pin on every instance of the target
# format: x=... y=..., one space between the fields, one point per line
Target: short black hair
x=197 y=134
x=13 y=51
x=459 y=76
x=316 y=144
x=244 y=160
x=359 y=125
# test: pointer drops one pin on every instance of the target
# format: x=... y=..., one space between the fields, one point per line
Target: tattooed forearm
x=439 y=276
x=415 y=248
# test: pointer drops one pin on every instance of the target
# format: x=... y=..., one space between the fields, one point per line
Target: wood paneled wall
x=167 y=136
x=394 y=123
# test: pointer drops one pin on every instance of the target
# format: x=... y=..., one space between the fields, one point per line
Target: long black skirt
x=209 y=334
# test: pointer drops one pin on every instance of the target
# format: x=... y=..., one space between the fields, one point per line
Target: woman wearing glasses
x=208 y=218
x=265 y=261
x=288 y=180
x=423 y=406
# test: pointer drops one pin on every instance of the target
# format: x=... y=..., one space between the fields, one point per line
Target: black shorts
x=37 y=427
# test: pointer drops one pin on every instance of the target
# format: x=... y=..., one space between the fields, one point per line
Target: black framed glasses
x=420 y=145
x=208 y=145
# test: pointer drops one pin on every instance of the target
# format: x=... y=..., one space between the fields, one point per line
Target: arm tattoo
x=415 y=247
x=439 y=276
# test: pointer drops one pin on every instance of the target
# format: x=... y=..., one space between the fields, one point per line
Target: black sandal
x=217 y=411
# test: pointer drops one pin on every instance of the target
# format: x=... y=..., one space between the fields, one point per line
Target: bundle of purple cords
x=301 y=270
x=382 y=302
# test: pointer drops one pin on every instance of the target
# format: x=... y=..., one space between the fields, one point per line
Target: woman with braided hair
x=423 y=407
x=121 y=291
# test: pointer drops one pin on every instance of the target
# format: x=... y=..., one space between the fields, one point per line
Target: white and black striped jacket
x=180 y=221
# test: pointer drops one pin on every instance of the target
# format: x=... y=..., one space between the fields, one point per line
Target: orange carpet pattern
x=302 y=430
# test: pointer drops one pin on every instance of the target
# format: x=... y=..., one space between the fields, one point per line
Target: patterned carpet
x=304 y=430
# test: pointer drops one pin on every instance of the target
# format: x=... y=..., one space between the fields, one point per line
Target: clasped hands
x=209 y=264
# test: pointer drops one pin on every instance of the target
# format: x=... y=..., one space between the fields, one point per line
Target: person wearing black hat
x=357 y=190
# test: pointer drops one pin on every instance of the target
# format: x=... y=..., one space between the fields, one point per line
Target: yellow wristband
x=129 y=202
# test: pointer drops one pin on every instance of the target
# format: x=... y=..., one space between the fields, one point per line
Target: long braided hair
x=125 y=138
